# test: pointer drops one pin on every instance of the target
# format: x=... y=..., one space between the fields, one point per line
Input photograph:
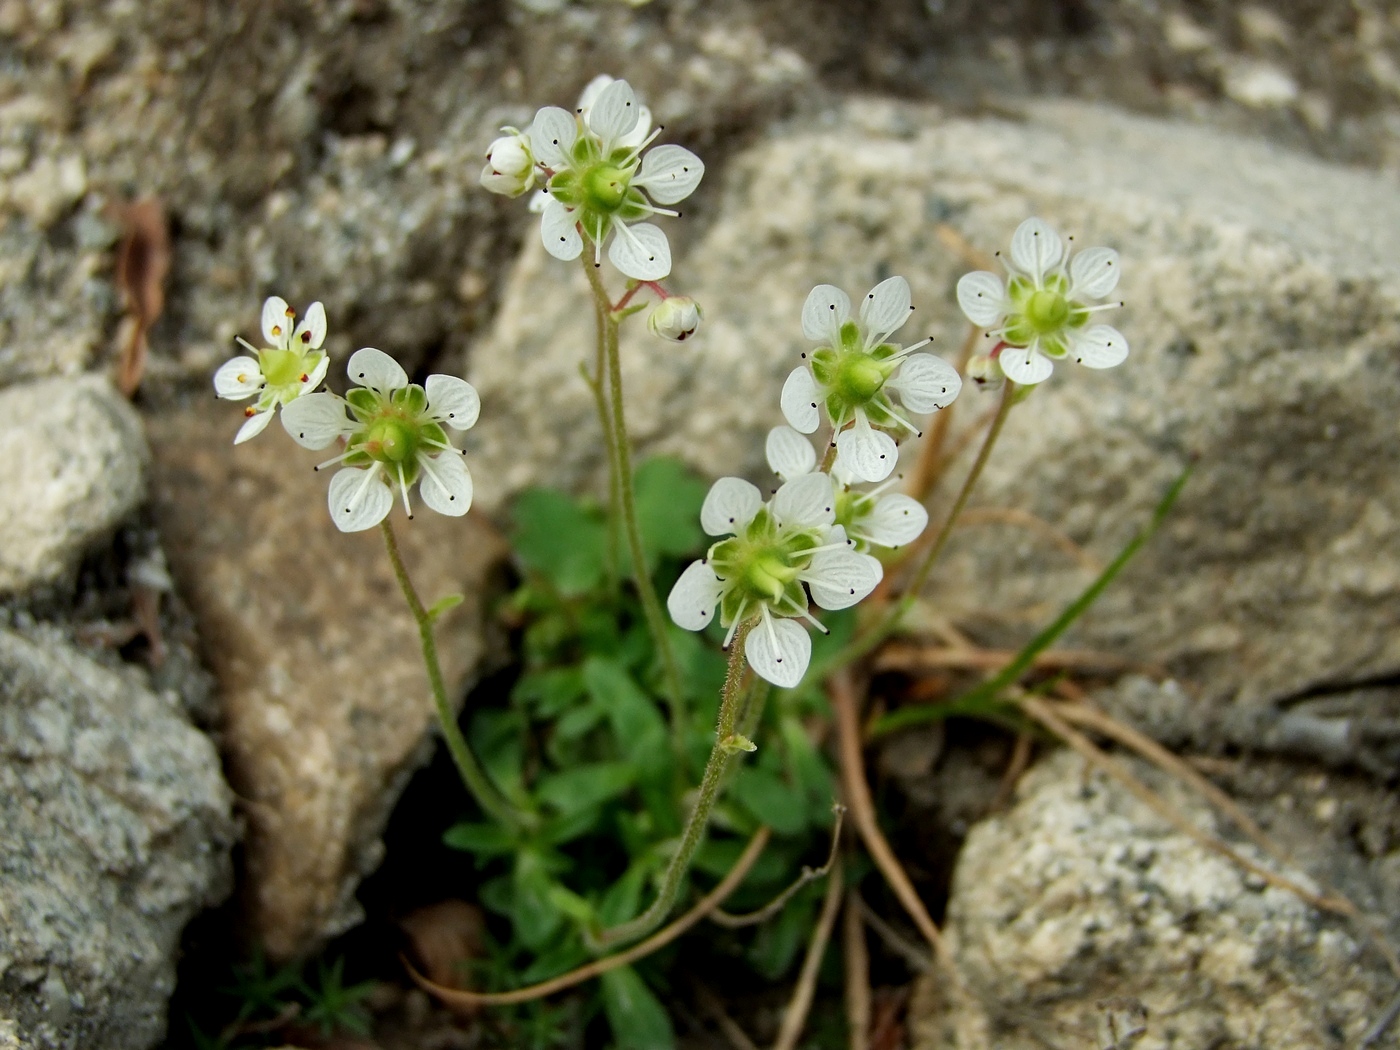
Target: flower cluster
x=599 y=179
x=1041 y=312
x=854 y=372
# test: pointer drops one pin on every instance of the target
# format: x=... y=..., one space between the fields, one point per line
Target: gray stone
x=1263 y=311
x=1079 y=901
x=117 y=830
x=75 y=464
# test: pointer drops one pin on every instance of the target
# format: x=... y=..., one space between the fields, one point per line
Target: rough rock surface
x=326 y=704
x=1079 y=899
x=1264 y=315
x=74 y=468
x=117 y=830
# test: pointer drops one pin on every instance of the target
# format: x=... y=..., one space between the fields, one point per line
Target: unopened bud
x=510 y=165
x=675 y=318
x=985 y=371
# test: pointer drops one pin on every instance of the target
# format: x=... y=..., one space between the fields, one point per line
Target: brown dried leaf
x=143 y=263
x=445 y=936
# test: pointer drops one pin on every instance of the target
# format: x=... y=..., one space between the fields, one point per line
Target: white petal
x=637 y=135
x=1093 y=273
x=255 y=425
x=552 y=137
x=799 y=400
x=592 y=90
x=779 y=651
x=376 y=370
x=789 y=453
x=274 y=321
x=640 y=251
x=692 y=600
x=926 y=383
x=314 y=377
x=885 y=309
x=613 y=113
x=315 y=420
x=670 y=174
x=1098 y=346
x=982 y=297
x=559 y=231
x=869 y=454
x=238 y=378
x=358 y=499
x=1035 y=247
x=312 y=328
x=895 y=520
x=730 y=504
x=452 y=401
x=446 y=485
x=840 y=578
x=827 y=308
x=1025 y=365
x=805 y=501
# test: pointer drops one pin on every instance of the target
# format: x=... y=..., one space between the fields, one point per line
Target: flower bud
x=510 y=166
x=985 y=371
x=675 y=318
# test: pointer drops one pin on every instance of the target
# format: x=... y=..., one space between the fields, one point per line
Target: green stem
x=601 y=311
x=622 y=482
x=726 y=746
x=868 y=640
x=473 y=776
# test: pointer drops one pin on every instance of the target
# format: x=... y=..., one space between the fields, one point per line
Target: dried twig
x=1020 y=759
x=917 y=658
x=862 y=807
x=720 y=917
x=460 y=999
x=795 y=1016
x=856 y=957
x=914 y=957
x=143 y=262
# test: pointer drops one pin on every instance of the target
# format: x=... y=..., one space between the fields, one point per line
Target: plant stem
x=492 y=802
x=622 y=480
x=868 y=640
x=721 y=755
x=601 y=311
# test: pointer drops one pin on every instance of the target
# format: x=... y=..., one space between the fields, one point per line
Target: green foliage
x=585 y=744
x=333 y=1006
x=267 y=1000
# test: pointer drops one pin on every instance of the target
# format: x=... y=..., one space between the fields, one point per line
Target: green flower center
x=281 y=367
x=605 y=187
x=392 y=441
x=1047 y=311
x=859 y=377
x=760 y=567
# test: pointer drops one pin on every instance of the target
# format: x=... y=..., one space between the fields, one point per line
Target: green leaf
x=551 y=691
x=561 y=540
x=623 y=898
x=485 y=840
x=569 y=826
x=533 y=910
x=638 y=1020
x=988 y=694
x=770 y=800
x=561 y=958
x=668 y=500
x=498 y=738
x=635 y=718
x=587 y=785
x=441 y=606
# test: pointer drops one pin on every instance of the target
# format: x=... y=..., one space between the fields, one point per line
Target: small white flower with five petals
x=856 y=370
x=757 y=575
x=290 y=365
x=394 y=437
x=1041 y=312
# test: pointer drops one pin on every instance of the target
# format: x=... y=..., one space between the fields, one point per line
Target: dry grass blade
x=856 y=957
x=915 y=659
x=862 y=809
x=1032 y=523
x=723 y=918
x=1011 y=776
x=143 y=263
x=795 y=1016
x=915 y=957
x=952 y=239
x=459 y=999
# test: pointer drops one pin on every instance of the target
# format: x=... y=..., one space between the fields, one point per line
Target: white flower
x=291 y=364
x=877 y=518
x=675 y=318
x=394 y=437
x=601 y=184
x=1042 y=311
x=855 y=371
x=757 y=574
x=510 y=165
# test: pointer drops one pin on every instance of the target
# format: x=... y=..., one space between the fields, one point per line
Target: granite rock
x=1264 y=316
x=1079 y=902
x=326 y=709
x=75 y=468
x=117 y=831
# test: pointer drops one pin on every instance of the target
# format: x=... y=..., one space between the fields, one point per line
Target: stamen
x=902 y=421
x=370 y=474
x=623 y=231
x=910 y=349
x=338 y=459
x=245 y=344
x=806 y=615
x=1096 y=309
x=403 y=487
x=772 y=634
x=637 y=152
x=738 y=619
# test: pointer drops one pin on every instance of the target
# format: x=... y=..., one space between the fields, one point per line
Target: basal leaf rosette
x=854 y=374
x=775 y=554
x=1041 y=312
x=394 y=438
